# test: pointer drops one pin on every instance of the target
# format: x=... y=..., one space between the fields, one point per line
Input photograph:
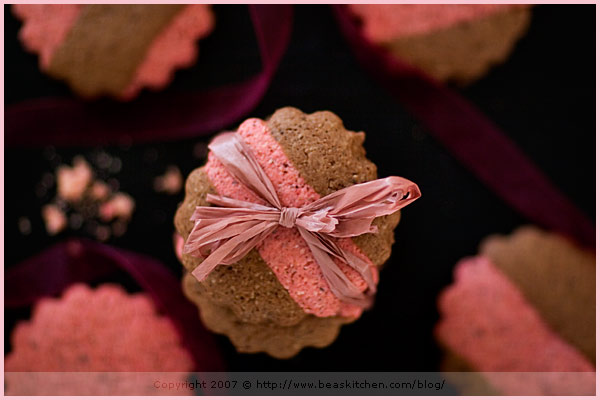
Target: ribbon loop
x=227 y=233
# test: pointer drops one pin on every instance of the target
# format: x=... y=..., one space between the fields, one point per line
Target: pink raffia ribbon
x=225 y=234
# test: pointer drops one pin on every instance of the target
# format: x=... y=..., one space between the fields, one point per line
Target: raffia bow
x=226 y=233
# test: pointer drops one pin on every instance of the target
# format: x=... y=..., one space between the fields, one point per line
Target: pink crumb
x=488 y=322
x=121 y=205
x=100 y=190
x=284 y=250
x=88 y=200
x=73 y=181
x=170 y=182
x=54 y=218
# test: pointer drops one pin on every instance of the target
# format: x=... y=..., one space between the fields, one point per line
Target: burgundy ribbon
x=471 y=137
x=160 y=116
x=227 y=233
x=80 y=260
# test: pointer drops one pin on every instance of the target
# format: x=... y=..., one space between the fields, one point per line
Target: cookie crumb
x=170 y=182
x=100 y=190
x=121 y=205
x=73 y=181
x=83 y=200
x=54 y=218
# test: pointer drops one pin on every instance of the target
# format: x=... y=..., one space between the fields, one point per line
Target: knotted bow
x=227 y=233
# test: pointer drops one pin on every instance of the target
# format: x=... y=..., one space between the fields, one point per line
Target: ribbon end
x=201 y=272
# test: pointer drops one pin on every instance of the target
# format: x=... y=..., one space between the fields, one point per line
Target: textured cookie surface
x=465 y=52
x=504 y=332
x=103 y=49
x=94 y=330
x=555 y=276
x=97 y=330
x=526 y=303
x=247 y=294
x=457 y=43
x=330 y=158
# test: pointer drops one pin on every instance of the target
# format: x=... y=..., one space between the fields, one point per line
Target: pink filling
x=46 y=26
x=488 y=322
x=386 y=22
x=173 y=48
x=286 y=253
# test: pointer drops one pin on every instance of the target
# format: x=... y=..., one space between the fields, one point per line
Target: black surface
x=543 y=97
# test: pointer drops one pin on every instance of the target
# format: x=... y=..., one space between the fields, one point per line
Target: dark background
x=543 y=97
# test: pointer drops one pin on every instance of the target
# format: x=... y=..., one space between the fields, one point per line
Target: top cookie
x=306 y=157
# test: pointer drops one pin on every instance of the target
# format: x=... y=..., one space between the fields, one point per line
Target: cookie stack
x=275 y=299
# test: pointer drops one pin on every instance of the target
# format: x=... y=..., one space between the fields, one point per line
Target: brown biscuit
x=556 y=277
x=276 y=340
x=106 y=44
x=330 y=158
x=464 y=52
x=245 y=301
